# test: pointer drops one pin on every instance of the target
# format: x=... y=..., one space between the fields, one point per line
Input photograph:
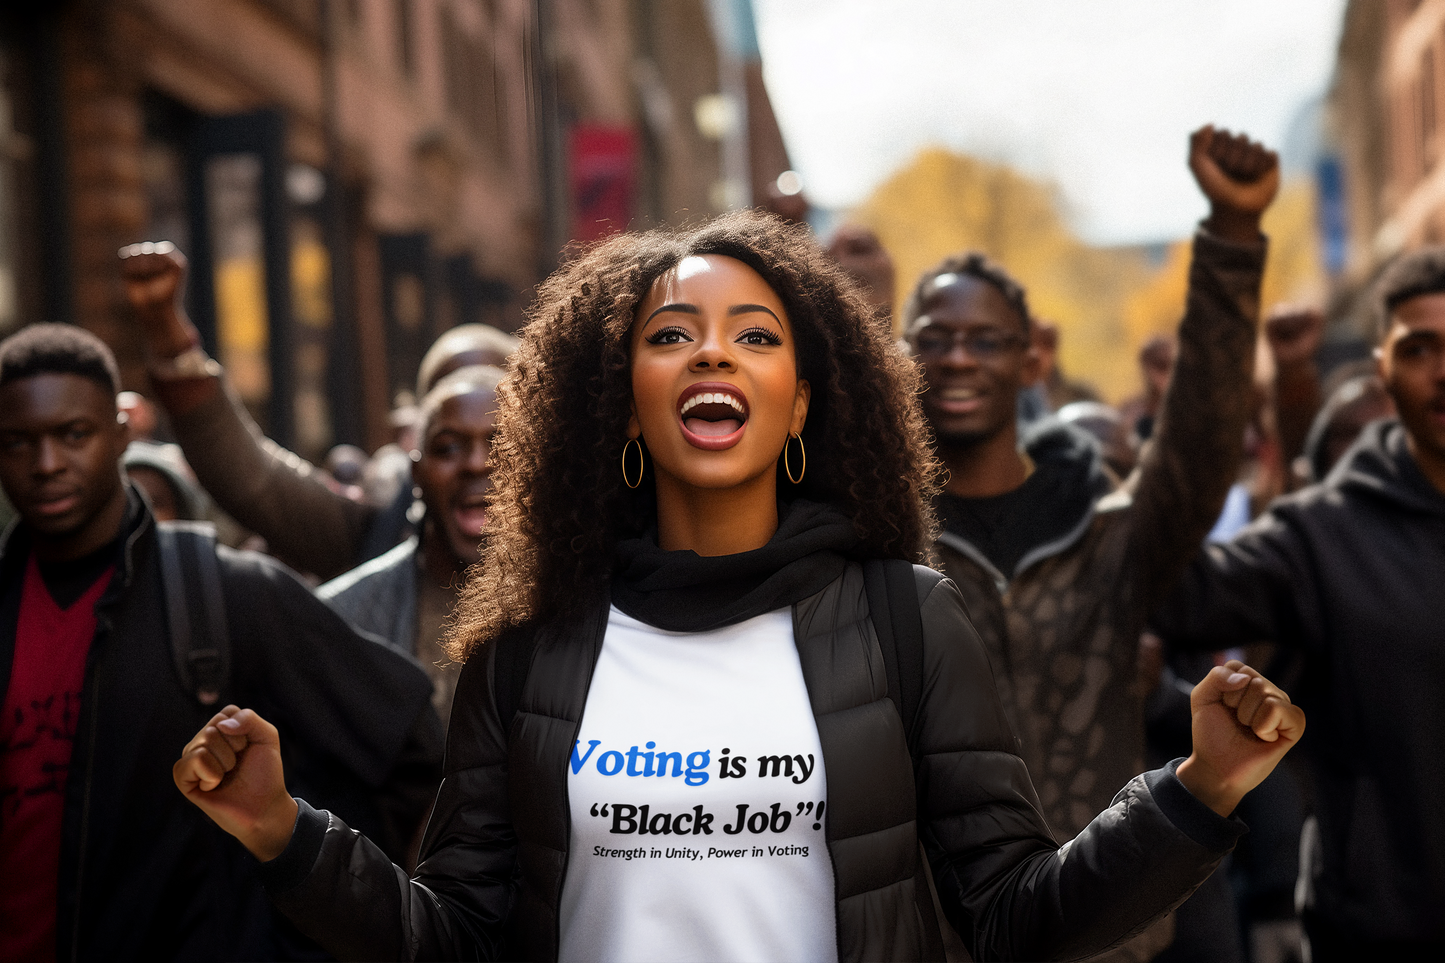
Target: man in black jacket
x=1350 y=572
x=97 y=857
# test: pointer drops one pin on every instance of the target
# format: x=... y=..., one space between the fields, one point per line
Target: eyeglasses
x=980 y=345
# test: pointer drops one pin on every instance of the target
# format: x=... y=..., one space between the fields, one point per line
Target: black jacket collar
x=15 y=543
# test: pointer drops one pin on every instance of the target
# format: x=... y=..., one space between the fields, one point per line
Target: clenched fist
x=232 y=771
x=152 y=273
x=1240 y=178
x=1242 y=724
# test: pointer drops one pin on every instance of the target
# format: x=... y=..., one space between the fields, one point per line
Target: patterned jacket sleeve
x=1008 y=890
x=273 y=492
x=1186 y=472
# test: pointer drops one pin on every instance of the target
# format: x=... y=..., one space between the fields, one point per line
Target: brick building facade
x=348 y=177
x=1387 y=118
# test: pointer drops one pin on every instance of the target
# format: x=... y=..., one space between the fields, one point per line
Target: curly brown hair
x=559 y=506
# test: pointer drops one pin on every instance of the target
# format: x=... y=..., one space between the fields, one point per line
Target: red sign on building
x=603 y=177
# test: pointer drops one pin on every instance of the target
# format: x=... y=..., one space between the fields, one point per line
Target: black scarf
x=685 y=592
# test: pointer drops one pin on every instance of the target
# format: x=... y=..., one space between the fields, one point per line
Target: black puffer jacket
x=495 y=856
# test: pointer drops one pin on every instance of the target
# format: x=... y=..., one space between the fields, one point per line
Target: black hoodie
x=1039 y=518
x=1352 y=572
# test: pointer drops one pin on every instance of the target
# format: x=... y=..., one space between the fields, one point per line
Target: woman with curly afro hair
x=711 y=707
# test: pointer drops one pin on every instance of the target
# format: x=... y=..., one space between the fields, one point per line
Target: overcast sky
x=1097 y=95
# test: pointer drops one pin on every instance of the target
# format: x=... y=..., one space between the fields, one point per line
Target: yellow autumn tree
x=1293 y=272
x=1106 y=300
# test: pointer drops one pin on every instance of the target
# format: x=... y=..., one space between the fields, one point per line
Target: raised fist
x=1243 y=724
x=1239 y=176
x=232 y=771
x=152 y=273
x=1294 y=334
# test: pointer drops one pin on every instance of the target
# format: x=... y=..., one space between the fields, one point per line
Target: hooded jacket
x=1062 y=628
x=496 y=853
x=143 y=873
x=1350 y=573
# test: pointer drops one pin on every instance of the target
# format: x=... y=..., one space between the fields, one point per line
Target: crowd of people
x=706 y=553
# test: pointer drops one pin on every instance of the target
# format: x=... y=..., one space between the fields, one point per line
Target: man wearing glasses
x=1058 y=568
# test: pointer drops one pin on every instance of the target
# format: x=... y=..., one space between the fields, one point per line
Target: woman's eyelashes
x=668 y=335
x=760 y=335
x=756 y=335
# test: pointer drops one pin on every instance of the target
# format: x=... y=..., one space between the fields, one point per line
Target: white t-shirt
x=671 y=859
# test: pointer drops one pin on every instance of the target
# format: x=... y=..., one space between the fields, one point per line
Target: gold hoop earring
x=801 y=450
x=641 y=463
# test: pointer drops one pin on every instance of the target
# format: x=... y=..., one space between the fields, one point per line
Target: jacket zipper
x=105 y=628
x=1038 y=554
x=85 y=810
x=599 y=637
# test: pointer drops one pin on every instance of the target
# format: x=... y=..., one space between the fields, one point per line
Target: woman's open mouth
x=713 y=415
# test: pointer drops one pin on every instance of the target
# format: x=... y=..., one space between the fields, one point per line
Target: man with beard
x=1348 y=573
x=1058 y=572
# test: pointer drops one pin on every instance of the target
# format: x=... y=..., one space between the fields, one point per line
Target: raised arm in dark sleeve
x=1180 y=486
x=266 y=488
x=1008 y=890
x=343 y=892
x=1256 y=587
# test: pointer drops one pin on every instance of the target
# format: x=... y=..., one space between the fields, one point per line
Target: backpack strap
x=892 y=588
x=514 y=659
x=195 y=608
x=893 y=603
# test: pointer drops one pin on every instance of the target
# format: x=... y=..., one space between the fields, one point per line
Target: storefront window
x=311 y=309
x=233 y=205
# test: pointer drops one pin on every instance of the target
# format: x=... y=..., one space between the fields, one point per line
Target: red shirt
x=37 y=730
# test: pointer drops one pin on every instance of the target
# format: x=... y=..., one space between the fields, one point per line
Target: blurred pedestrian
x=1107 y=427
x=1058 y=572
x=1348 y=572
x=1353 y=405
x=271 y=491
x=1156 y=363
x=139 y=413
x=103 y=669
x=407 y=594
x=1059 y=389
x=463 y=346
x=344 y=467
x=161 y=473
x=861 y=254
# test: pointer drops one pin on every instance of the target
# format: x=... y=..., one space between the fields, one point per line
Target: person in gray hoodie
x=406 y=595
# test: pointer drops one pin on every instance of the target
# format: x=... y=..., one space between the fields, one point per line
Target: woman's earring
x=787 y=467
x=641 y=464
